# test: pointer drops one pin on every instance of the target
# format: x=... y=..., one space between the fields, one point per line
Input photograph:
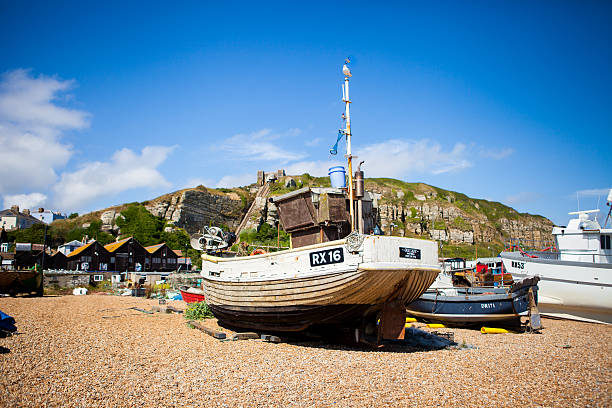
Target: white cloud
x=314 y=142
x=32 y=200
x=260 y=146
x=196 y=181
x=594 y=192
x=314 y=168
x=402 y=158
x=227 y=181
x=31 y=126
x=236 y=180
x=28 y=101
x=522 y=198
x=496 y=154
x=124 y=171
x=395 y=158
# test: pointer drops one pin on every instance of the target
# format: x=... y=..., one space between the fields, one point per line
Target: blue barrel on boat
x=337 y=176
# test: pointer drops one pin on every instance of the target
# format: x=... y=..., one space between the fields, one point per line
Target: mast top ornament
x=345 y=69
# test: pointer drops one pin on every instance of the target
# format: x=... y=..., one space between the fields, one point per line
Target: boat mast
x=347 y=74
x=608 y=203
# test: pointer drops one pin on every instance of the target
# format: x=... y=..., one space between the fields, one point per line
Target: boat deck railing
x=471 y=290
x=555 y=256
x=544 y=255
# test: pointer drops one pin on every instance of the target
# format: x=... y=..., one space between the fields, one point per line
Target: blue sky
x=111 y=102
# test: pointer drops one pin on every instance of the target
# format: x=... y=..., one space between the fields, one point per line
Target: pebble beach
x=95 y=350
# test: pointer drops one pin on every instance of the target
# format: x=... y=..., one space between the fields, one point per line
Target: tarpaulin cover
x=7 y=323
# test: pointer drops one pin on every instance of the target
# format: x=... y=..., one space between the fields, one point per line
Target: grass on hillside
x=469 y=251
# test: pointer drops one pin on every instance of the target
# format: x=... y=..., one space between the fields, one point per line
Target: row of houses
x=12 y=218
x=124 y=255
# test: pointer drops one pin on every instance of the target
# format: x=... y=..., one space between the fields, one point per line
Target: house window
x=86 y=258
x=605 y=241
x=98 y=278
x=157 y=260
x=112 y=260
x=171 y=260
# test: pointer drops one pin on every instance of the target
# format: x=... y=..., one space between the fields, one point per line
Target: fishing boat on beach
x=334 y=273
x=504 y=306
x=576 y=281
x=191 y=294
x=473 y=295
x=340 y=282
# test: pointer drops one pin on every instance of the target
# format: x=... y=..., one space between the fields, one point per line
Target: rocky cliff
x=406 y=209
x=417 y=209
x=424 y=211
x=190 y=209
x=193 y=209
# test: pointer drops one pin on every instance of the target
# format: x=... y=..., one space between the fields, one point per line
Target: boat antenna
x=609 y=204
x=347 y=132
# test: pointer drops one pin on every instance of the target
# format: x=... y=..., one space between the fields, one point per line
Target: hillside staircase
x=263 y=193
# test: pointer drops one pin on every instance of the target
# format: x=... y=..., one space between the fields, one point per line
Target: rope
x=525 y=253
x=334 y=149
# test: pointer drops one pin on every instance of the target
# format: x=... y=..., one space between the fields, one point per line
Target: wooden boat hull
x=288 y=292
x=14 y=282
x=474 y=306
x=339 y=299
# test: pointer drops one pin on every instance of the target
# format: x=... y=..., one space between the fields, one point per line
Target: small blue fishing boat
x=476 y=305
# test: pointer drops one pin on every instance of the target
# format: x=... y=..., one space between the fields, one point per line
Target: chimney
x=15 y=208
x=26 y=211
x=260 y=177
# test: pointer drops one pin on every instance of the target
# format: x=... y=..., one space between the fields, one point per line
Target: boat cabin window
x=605 y=241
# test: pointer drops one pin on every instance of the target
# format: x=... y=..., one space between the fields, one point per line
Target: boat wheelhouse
x=576 y=281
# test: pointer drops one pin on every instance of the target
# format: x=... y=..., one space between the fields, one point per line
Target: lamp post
x=185 y=256
x=39 y=291
x=42 y=266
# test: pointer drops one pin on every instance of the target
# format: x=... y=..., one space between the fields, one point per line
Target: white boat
x=577 y=280
x=334 y=274
x=344 y=282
